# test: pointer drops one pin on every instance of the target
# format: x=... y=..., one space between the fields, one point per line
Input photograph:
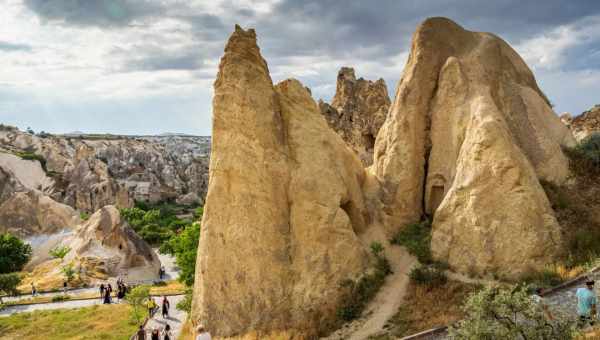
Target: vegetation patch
x=430 y=275
x=359 y=293
x=30 y=156
x=94 y=323
x=416 y=237
x=426 y=307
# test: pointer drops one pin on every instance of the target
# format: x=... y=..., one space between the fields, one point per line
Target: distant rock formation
x=585 y=124
x=283 y=208
x=357 y=111
x=290 y=209
x=89 y=172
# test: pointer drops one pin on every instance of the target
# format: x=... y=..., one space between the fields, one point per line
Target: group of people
x=152 y=306
x=106 y=291
x=155 y=334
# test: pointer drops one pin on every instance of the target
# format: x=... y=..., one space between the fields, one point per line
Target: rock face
x=357 y=111
x=585 y=124
x=24 y=208
x=106 y=244
x=88 y=173
x=467 y=137
x=271 y=263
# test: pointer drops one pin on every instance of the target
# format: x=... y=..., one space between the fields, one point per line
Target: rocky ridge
x=357 y=111
x=585 y=124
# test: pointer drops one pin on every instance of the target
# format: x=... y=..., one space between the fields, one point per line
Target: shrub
x=84 y=216
x=30 y=156
x=136 y=298
x=69 y=272
x=416 y=237
x=430 y=275
x=59 y=298
x=508 y=313
x=590 y=148
x=186 y=304
x=185 y=249
x=14 y=253
x=359 y=293
x=9 y=283
x=59 y=252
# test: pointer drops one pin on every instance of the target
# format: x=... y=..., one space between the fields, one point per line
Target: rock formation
x=466 y=139
x=89 y=172
x=290 y=207
x=271 y=263
x=106 y=244
x=357 y=111
x=585 y=124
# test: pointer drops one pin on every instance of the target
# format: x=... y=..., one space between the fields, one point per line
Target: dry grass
x=171 y=287
x=426 y=308
x=91 y=323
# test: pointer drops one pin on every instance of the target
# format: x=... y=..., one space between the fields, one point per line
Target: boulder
x=270 y=265
x=357 y=111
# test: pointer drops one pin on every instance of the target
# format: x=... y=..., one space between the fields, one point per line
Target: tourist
x=586 y=304
x=203 y=334
x=161 y=272
x=102 y=291
x=165 y=307
x=155 y=335
x=539 y=300
x=106 y=296
x=64 y=287
x=141 y=333
x=33 y=290
x=151 y=304
x=109 y=288
x=120 y=293
x=167 y=333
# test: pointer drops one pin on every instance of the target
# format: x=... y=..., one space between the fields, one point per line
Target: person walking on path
x=586 y=304
x=64 y=287
x=151 y=304
x=539 y=300
x=167 y=333
x=165 y=307
x=141 y=333
x=33 y=290
x=106 y=296
x=155 y=335
x=102 y=291
x=203 y=334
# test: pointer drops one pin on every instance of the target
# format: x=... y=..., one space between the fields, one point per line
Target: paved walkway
x=47 y=306
x=176 y=317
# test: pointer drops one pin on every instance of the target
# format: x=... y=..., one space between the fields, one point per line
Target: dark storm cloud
x=12 y=47
x=95 y=12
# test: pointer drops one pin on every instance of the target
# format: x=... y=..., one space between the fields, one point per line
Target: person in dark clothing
x=107 y=296
x=165 y=307
x=102 y=288
x=167 y=333
x=141 y=333
x=155 y=335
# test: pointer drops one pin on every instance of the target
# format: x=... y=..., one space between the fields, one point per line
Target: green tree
x=59 y=252
x=136 y=299
x=69 y=272
x=508 y=313
x=185 y=249
x=14 y=253
x=9 y=283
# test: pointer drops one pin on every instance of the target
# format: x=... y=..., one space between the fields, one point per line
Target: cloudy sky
x=147 y=66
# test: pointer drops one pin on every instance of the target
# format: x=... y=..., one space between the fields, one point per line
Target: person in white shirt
x=202 y=334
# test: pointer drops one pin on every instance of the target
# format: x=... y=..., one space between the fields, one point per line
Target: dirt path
x=386 y=302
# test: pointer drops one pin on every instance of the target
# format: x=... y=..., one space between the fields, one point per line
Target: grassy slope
x=96 y=322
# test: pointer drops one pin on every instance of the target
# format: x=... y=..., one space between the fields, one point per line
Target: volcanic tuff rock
x=585 y=124
x=89 y=172
x=357 y=111
x=467 y=137
x=290 y=207
x=269 y=263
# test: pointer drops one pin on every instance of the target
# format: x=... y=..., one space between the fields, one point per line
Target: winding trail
x=386 y=302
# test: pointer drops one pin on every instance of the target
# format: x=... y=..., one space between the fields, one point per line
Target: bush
x=508 y=313
x=361 y=292
x=136 y=298
x=84 y=216
x=9 y=283
x=59 y=252
x=416 y=237
x=185 y=249
x=590 y=148
x=59 y=298
x=430 y=275
x=186 y=304
x=14 y=253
